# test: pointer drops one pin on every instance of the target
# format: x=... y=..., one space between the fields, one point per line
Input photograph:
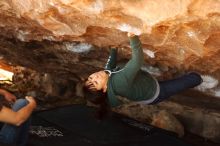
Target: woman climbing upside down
x=133 y=83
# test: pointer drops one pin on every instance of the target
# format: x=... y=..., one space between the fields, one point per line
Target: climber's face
x=97 y=81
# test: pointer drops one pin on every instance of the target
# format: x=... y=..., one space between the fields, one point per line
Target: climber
x=133 y=83
x=16 y=119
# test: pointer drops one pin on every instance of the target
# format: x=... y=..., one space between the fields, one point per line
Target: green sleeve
x=121 y=81
x=111 y=63
x=112 y=98
x=133 y=66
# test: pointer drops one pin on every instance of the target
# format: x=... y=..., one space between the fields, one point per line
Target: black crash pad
x=76 y=126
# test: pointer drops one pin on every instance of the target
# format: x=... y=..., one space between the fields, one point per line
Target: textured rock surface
x=182 y=34
x=154 y=115
x=176 y=35
x=65 y=40
x=202 y=121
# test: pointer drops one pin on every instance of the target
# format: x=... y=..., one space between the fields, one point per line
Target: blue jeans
x=16 y=135
x=174 y=86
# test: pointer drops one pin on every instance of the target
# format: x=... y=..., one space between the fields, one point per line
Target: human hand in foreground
x=31 y=101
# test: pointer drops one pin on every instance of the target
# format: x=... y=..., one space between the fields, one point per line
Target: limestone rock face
x=181 y=34
x=69 y=39
x=154 y=115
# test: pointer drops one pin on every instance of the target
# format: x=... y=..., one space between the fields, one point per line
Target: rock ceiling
x=71 y=38
x=53 y=35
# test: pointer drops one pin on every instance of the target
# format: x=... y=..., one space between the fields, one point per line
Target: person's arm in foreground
x=17 y=118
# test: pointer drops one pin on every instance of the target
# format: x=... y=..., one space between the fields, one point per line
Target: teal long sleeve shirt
x=130 y=82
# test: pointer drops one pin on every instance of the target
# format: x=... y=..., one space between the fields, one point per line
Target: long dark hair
x=98 y=98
